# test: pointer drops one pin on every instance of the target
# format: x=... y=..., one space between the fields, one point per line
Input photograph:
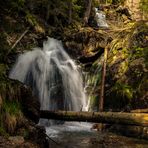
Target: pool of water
x=80 y=135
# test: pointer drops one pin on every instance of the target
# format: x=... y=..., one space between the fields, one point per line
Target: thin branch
x=20 y=38
x=51 y=139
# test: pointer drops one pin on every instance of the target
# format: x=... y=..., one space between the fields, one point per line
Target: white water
x=53 y=76
x=56 y=130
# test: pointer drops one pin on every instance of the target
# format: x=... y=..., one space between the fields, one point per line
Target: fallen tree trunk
x=140 y=110
x=138 y=119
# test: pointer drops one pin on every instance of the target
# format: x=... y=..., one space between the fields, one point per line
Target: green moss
x=94 y=102
x=123 y=90
x=11 y=117
x=119 y=96
x=11 y=112
x=31 y=19
x=123 y=68
x=11 y=107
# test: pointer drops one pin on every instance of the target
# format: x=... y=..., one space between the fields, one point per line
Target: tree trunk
x=87 y=12
x=47 y=11
x=70 y=12
x=101 y=101
x=139 y=119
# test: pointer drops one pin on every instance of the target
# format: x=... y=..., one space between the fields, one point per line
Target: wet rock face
x=86 y=42
x=30 y=104
x=38 y=135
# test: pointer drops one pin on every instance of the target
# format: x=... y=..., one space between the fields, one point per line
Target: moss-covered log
x=140 y=110
x=139 y=119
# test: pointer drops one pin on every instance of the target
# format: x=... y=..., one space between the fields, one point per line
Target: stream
x=80 y=135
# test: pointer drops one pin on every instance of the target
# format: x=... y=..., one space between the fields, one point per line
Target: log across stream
x=138 y=119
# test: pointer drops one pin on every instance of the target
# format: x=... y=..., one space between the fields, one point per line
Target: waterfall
x=100 y=19
x=53 y=76
x=92 y=82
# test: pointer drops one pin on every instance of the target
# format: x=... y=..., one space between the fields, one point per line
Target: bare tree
x=101 y=101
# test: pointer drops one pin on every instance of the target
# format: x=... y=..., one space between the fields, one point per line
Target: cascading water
x=92 y=80
x=53 y=76
x=100 y=19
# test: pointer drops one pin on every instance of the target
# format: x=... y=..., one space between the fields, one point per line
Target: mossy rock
x=86 y=42
x=127 y=67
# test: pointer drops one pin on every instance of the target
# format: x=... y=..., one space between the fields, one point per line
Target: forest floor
x=16 y=142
